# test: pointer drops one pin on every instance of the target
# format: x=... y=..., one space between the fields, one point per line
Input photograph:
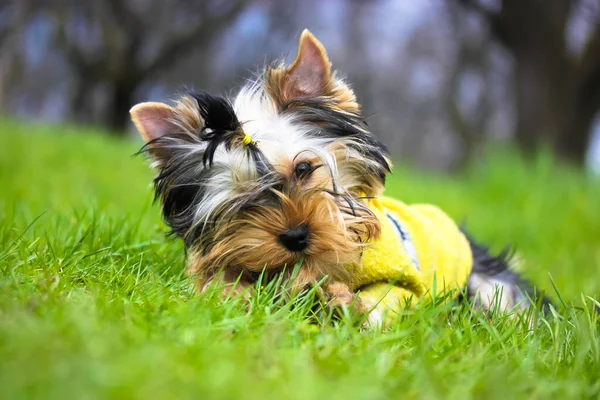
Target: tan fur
x=251 y=243
x=354 y=174
x=186 y=115
x=319 y=178
x=342 y=100
x=335 y=89
x=338 y=294
x=278 y=81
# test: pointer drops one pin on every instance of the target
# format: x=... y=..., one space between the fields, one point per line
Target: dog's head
x=278 y=175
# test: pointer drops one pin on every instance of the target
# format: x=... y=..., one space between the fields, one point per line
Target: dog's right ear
x=153 y=120
x=310 y=73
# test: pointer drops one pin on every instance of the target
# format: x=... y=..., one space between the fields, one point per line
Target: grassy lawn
x=93 y=302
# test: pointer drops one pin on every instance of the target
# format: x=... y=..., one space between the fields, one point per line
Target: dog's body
x=285 y=173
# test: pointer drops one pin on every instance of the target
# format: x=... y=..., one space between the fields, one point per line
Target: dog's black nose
x=295 y=239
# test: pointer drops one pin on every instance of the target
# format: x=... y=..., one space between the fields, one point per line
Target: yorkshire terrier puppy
x=288 y=172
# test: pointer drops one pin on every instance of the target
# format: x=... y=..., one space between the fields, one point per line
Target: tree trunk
x=550 y=109
x=81 y=104
x=535 y=108
x=574 y=138
x=120 y=101
x=557 y=95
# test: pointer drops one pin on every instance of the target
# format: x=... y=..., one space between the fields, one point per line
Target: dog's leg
x=492 y=285
x=339 y=295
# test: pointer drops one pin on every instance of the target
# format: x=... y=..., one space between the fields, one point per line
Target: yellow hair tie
x=247 y=139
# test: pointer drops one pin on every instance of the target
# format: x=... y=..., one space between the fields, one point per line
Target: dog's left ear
x=310 y=73
x=157 y=120
x=152 y=120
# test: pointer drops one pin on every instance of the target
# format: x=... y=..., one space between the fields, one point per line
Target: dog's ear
x=310 y=73
x=152 y=120
x=164 y=127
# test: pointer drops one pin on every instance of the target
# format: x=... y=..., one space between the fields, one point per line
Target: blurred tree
x=468 y=114
x=118 y=44
x=12 y=19
x=110 y=48
x=557 y=92
x=433 y=88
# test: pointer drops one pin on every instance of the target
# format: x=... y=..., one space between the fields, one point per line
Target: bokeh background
x=439 y=79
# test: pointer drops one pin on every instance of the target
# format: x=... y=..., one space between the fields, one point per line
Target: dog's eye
x=303 y=169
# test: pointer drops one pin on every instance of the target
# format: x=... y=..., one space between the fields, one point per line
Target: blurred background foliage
x=438 y=78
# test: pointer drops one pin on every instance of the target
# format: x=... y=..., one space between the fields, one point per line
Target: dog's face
x=277 y=176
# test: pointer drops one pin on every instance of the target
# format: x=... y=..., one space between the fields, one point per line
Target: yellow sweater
x=419 y=244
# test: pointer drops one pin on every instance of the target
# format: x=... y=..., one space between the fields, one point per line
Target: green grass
x=93 y=302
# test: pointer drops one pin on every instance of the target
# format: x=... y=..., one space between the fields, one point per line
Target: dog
x=288 y=173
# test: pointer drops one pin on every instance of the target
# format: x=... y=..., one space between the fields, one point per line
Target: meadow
x=94 y=302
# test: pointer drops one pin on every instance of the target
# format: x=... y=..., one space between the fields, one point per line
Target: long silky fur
x=363 y=160
x=202 y=124
x=343 y=124
x=215 y=191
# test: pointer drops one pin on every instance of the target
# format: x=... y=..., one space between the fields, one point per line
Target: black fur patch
x=497 y=267
x=180 y=186
x=221 y=125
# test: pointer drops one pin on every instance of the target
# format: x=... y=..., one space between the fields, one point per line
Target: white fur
x=278 y=136
x=490 y=293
